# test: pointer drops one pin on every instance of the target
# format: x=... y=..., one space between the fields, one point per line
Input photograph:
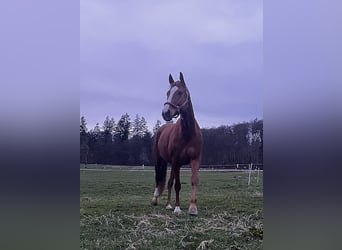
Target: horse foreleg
x=194 y=184
x=154 y=201
x=169 y=189
x=177 y=189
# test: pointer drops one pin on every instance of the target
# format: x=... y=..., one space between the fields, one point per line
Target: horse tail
x=160 y=171
x=160 y=166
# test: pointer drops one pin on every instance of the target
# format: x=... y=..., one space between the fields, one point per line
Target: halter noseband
x=178 y=108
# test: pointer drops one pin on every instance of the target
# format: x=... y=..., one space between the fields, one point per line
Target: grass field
x=115 y=212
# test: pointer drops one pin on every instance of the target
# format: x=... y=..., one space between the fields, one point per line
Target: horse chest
x=185 y=157
x=185 y=154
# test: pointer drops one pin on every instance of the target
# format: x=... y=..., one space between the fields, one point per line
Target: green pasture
x=115 y=211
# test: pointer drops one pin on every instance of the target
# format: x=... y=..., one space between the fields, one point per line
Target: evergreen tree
x=96 y=131
x=136 y=126
x=156 y=127
x=122 y=129
x=108 y=125
x=239 y=143
x=139 y=126
x=143 y=127
x=83 y=125
x=84 y=140
x=106 y=142
x=108 y=129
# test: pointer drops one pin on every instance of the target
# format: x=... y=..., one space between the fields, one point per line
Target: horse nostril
x=166 y=115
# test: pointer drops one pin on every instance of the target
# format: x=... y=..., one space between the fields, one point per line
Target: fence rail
x=235 y=166
x=243 y=166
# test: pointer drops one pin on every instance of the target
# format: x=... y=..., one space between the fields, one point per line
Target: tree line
x=129 y=142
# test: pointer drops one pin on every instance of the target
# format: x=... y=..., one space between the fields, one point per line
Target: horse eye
x=180 y=93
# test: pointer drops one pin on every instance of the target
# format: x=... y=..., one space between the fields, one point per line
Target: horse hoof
x=168 y=207
x=193 y=211
x=177 y=210
x=154 y=201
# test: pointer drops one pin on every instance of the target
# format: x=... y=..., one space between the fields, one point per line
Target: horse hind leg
x=169 y=190
x=177 y=189
x=194 y=184
x=160 y=176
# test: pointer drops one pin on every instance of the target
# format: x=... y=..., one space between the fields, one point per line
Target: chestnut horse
x=178 y=144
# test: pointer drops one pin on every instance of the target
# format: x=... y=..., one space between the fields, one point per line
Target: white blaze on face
x=172 y=92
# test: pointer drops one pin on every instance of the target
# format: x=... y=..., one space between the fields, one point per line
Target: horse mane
x=187 y=118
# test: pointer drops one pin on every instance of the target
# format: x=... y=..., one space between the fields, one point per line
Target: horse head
x=177 y=98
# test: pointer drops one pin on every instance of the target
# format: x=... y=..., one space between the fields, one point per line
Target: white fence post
x=258 y=175
x=249 y=174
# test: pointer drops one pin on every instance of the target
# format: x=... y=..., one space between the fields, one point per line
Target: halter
x=178 y=108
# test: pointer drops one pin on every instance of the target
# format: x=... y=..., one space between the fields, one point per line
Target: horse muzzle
x=167 y=115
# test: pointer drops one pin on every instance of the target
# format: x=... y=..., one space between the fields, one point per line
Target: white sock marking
x=154 y=200
x=156 y=193
x=177 y=210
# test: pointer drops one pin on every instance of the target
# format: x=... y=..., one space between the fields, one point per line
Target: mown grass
x=115 y=212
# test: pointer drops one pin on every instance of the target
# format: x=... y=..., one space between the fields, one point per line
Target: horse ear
x=171 y=79
x=181 y=77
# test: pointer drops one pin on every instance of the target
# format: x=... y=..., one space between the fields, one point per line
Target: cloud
x=129 y=48
x=157 y=24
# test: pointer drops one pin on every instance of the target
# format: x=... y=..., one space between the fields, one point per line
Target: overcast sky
x=128 y=49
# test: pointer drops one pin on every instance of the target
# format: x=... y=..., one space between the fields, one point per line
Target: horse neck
x=188 y=121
